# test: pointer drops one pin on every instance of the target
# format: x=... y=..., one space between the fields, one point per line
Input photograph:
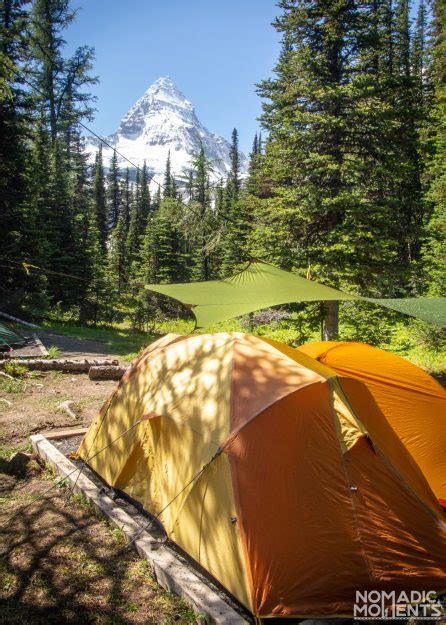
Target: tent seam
x=369 y=567
x=234 y=433
x=397 y=473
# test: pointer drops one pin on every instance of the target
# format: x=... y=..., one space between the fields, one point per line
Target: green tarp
x=8 y=337
x=430 y=309
x=261 y=285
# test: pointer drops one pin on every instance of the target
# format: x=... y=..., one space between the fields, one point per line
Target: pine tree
x=220 y=199
x=157 y=201
x=326 y=112
x=167 y=185
x=140 y=209
x=19 y=232
x=255 y=146
x=173 y=185
x=434 y=251
x=49 y=19
x=164 y=256
x=189 y=175
x=144 y=201
x=126 y=194
x=406 y=113
x=253 y=183
x=60 y=230
x=98 y=295
x=236 y=219
x=85 y=231
x=113 y=192
x=419 y=53
x=56 y=78
x=234 y=174
x=133 y=236
x=62 y=100
x=203 y=218
x=117 y=260
x=100 y=201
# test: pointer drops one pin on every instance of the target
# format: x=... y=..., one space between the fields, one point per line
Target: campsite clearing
x=29 y=405
x=65 y=564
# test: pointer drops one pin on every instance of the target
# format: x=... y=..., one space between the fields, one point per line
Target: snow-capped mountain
x=163 y=120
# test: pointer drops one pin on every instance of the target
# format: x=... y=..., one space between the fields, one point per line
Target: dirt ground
x=59 y=561
x=33 y=404
x=75 y=348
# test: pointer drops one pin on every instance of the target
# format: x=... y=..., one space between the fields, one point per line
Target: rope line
x=57 y=483
x=26 y=266
x=157 y=516
x=113 y=395
x=19 y=72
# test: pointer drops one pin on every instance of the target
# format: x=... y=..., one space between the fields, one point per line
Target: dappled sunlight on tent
x=283 y=480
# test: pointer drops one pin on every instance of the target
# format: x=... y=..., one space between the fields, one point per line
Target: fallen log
x=106 y=372
x=67 y=366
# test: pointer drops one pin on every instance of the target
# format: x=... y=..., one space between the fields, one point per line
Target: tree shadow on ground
x=60 y=563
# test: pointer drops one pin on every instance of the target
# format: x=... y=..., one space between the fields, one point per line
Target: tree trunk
x=331 y=325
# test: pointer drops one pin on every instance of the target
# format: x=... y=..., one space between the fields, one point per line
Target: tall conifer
x=434 y=251
x=113 y=192
x=324 y=205
x=99 y=198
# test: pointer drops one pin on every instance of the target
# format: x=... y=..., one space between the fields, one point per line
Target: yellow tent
x=279 y=477
x=412 y=401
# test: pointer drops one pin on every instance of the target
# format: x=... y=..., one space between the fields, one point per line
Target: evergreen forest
x=346 y=182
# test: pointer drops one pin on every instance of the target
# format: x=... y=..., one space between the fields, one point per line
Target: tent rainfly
x=281 y=478
x=261 y=285
x=411 y=400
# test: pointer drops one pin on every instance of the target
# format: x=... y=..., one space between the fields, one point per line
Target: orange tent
x=411 y=400
x=279 y=477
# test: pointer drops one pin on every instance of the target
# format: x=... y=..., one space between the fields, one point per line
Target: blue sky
x=215 y=51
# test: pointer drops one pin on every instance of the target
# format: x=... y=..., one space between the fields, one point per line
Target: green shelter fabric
x=8 y=337
x=261 y=285
x=258 y=286
x=430 y=309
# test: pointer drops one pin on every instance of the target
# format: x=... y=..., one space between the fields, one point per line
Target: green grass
x=15 y=369
x=53 y=352
x=128 y=343
x=119 y=340
x=406 y=342
x=6 y=452
x=12 y=386
x=81 y=500
x=116 y=533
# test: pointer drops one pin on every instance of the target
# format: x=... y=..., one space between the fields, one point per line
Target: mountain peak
x=163 y=120
x=162 y=82
x=165 y=90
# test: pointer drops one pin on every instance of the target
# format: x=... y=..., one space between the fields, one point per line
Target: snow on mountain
x=162 y=120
